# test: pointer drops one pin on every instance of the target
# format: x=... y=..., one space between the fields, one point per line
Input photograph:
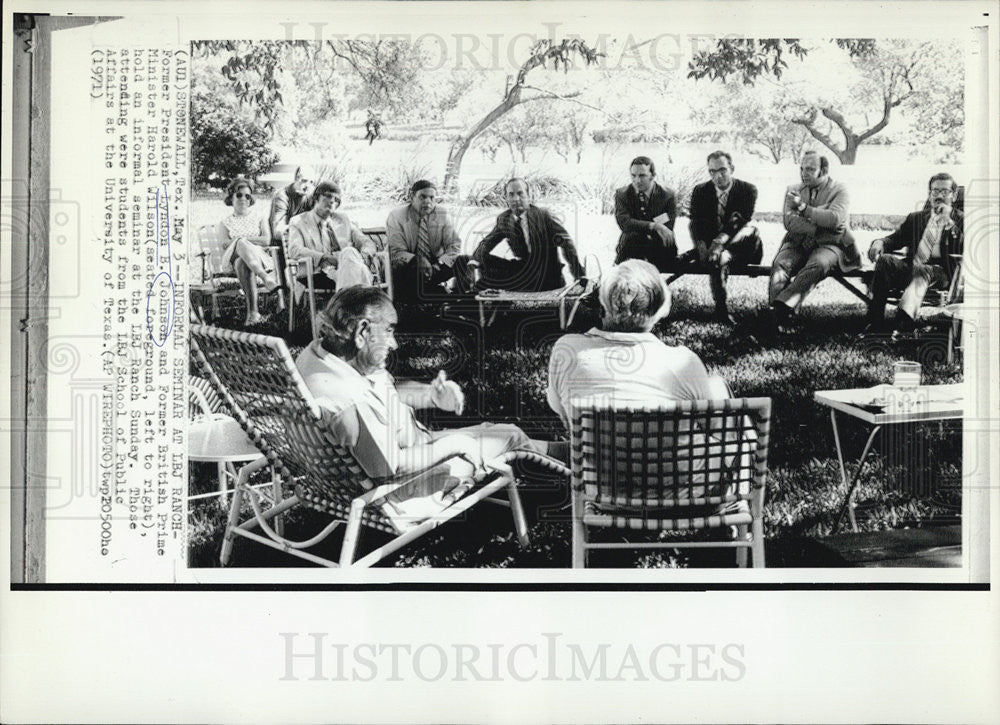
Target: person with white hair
x=372 y=415
x=622 y=360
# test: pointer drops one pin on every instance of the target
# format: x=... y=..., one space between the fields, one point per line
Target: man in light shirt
x=372 y=415
x=424 y=249
x=932 y=238
x=338 y=249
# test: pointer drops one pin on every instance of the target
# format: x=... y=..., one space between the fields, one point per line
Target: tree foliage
x=885 y=76
x=225 y=144
x=561 y=55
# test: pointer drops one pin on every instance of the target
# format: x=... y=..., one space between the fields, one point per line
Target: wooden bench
x=764 y=270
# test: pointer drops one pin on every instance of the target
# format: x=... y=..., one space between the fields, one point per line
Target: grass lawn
x=504 y=371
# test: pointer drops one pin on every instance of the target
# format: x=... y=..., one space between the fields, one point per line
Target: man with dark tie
x=930 y=237
x=818 y=238
x=423 y=246
x=721 y=211
x=534 y=237
x=645 y=212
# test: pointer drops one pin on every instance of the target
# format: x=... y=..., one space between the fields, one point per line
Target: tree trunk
x=459 y=146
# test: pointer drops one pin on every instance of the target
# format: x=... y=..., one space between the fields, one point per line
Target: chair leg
x=757 y=543
x=351 y=535
x=579 y=534
x=234 y=516
x=742 y=534
x=517 y=510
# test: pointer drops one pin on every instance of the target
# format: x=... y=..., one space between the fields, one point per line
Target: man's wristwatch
x=801 y=207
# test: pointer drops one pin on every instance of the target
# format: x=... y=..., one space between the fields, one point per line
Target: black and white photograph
x=685 y=293
x=500 y=361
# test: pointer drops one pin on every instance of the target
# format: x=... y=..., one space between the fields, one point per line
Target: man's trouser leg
x=649 y=247
x=747 y=250
x=925 y=277
x=787 y=262
x=404 y=282
x=891 y=273
x=506 y=274
x=819 y=264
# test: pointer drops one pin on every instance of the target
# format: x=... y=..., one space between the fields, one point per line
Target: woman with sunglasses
x=247 y=235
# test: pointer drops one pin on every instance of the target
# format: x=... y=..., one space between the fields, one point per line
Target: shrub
x=225 y=144
x=543 y=186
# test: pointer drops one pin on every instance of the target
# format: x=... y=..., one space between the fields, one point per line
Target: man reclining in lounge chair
x=372 y=415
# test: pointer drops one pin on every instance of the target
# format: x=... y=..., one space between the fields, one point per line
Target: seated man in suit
x=721 y=210
x=645 y=212
x=372 y=414
x=423 y=246
x=291 y=201
x=930 y=237
x=338 y=249
x=534 y=237
x=817 y=241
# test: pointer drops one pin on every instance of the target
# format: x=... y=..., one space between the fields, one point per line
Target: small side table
x=218 y=438
x=932 y=402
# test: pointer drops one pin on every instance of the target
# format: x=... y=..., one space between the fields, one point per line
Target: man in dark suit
x=930 y=237
x=291 y=201
x=534 y=237
x=721 y=210
x=645 y=212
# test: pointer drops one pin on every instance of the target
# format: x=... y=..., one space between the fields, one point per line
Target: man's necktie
x=643 y=199
x=723 y=199
x=424 y=240
x=523 y=245
x=931 y=234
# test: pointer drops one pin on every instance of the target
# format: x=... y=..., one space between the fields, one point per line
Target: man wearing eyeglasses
x=721 y=211
x=291 y=201
x=932 y=239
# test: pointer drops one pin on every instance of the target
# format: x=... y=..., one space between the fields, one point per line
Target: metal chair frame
x=257 y=378
x=216 y=283
x=678 y=466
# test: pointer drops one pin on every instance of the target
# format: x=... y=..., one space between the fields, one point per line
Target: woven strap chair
x=213 y=282
x=679 y=466
x=258 y=380
x=566 y=300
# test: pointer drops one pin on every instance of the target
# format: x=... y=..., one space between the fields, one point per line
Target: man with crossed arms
x=818 y=238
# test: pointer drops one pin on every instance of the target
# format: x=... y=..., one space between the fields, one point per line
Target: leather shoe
x=723 y=317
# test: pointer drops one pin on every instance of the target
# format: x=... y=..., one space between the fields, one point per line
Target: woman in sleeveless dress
x=247 y=235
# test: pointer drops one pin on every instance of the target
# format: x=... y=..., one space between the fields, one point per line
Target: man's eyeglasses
x=941 y=192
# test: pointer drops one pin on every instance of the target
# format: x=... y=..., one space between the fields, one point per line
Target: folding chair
x=566 y=299
x=379 y=266
x=258 y=380
x=681 y=466
x=214 y=283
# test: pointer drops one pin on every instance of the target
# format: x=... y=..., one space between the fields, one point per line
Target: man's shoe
x=723 y=317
